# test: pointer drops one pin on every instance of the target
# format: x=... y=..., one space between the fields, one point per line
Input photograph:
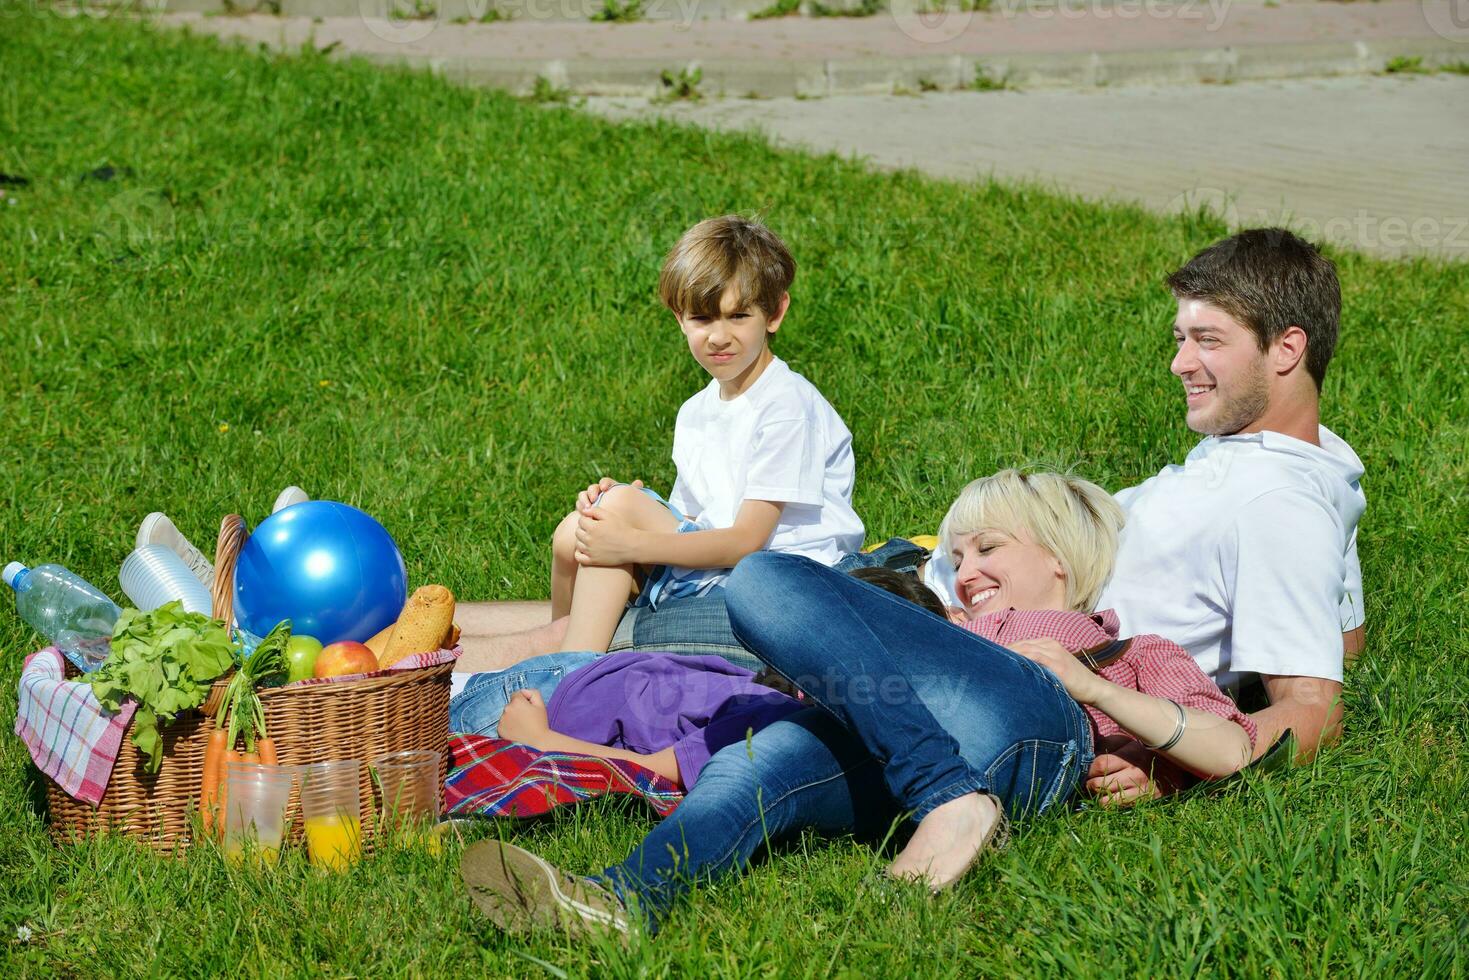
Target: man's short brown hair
x=720 y=252
x=1269 y=280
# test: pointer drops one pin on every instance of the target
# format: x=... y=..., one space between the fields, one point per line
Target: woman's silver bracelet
x=1177 y=732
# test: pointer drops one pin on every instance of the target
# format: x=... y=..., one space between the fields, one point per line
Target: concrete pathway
x=1378 y=164
x=1030 y=43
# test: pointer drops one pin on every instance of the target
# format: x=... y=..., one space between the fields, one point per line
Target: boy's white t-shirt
x=1245 y=555
x=780 y=441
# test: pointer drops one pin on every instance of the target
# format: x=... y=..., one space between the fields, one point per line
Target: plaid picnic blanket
x=493 y=777
x=71 y=737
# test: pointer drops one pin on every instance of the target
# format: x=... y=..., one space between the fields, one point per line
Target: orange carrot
x=213 y=774
x=251 y=757
x=266 y=748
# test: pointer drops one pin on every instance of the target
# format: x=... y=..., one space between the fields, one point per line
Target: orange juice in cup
x=331 y=806
x=334 y=840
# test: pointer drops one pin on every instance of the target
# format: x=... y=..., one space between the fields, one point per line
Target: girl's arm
x=614 y=541
x=524 y=720
x=662 y=762
x=1211 y=746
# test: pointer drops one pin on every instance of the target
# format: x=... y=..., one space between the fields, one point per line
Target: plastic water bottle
x=66 y=609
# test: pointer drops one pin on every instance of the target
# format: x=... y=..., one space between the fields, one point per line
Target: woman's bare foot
x=948 y=841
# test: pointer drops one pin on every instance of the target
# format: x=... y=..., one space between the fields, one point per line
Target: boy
x=763 y=460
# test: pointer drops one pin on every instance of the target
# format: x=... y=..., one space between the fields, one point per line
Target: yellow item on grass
x=929 y=541
x=334 y=841
x=424 y=623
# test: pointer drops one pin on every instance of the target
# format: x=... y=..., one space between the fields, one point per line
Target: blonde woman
x=952 y=727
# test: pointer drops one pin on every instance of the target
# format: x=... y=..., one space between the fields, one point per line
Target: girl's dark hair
x=900 y=584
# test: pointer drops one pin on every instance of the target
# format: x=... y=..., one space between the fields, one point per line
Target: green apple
x=301 y=652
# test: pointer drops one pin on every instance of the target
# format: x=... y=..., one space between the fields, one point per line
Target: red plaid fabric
x=1151 y=664
x=493 y=777
x=71 y=737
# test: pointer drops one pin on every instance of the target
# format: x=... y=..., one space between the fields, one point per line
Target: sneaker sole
x=519 y=892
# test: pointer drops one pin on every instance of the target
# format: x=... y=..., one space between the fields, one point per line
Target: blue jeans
x=477 y=709
x=912 y=712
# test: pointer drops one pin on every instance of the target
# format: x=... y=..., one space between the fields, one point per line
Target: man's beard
x=1242 y=407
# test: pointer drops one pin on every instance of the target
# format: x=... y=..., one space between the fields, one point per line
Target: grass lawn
x=438 y=304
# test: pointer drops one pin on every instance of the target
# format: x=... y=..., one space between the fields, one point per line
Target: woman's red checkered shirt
x=1151 y=664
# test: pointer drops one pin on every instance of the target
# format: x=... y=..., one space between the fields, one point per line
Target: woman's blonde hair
x=1076 y=521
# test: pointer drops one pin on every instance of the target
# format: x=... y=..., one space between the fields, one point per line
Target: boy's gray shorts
x=694 y=625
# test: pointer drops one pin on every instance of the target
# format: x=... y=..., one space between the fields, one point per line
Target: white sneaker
x=158 y=529
x=288 y=497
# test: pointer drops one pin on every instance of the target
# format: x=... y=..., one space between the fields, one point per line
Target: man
x=1245 y=554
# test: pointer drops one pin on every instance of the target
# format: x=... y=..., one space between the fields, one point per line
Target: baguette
x=422 y=626
x=379 y=641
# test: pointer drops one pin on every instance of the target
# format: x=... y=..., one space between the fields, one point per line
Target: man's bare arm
x=1353 y=642
x=1308 y=706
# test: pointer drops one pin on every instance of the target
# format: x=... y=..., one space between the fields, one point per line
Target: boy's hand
x=604 y=538
x=587 y=497
x=524 y=719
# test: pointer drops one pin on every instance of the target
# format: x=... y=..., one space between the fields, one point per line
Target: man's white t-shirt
x=780 y=441
x=1245 y=555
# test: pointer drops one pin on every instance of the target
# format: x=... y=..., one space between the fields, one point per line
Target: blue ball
x=330 y=569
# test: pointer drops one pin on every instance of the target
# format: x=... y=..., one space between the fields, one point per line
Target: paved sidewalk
x=1089 y=43
x=1378 y=164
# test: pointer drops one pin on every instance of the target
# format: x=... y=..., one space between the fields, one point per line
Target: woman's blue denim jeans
x=911 y=712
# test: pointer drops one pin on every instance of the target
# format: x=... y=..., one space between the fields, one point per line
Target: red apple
x=345 y=657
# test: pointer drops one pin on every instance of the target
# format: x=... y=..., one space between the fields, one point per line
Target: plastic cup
x=153 y=575
x=408 y=784
x=331 y=808
x=255 y=810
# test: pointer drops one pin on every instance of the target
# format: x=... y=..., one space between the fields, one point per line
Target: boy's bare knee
x=621 y=499
x=563 y=539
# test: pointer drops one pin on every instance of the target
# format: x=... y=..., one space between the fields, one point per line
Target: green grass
x=439 y=304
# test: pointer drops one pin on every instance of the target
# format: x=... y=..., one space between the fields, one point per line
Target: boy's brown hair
x=720 y=252
x=1269 y=280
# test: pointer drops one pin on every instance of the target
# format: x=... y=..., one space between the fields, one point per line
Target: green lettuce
x=166 y=658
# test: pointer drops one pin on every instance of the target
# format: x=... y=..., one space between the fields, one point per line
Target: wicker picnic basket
x=360 y=719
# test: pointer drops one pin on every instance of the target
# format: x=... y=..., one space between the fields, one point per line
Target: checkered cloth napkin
x=71 y=737
x=493 y=777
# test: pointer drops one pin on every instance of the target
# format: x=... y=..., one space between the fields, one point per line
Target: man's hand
x=588 y=497
x=607 y=539
x=524 y=719
x=1079 y=682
